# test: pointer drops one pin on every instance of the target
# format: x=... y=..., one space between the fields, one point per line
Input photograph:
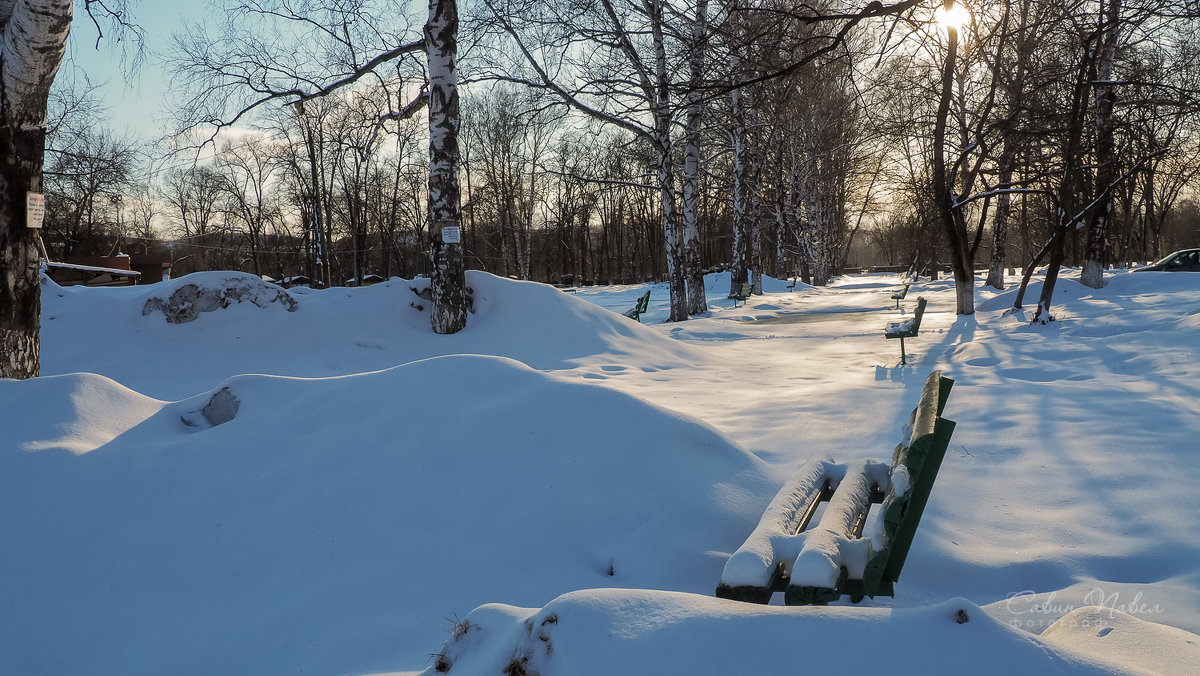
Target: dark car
x=1186 y=260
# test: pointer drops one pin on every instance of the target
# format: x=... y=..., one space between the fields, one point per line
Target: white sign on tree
x=35 y=209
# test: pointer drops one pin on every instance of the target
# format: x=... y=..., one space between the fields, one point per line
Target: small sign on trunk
x=450 y=234
x=35 y=209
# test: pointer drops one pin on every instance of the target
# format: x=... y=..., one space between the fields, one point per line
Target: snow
x=828 y=546
x=557 y=469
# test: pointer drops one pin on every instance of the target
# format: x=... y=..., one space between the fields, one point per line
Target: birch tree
x=696 y=301
x=279 y=53
x=449 y=314
x=34 y=37
x=1105 y=97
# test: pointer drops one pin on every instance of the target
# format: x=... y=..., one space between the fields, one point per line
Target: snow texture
x=832 y=544
x=554 y=459
x=205 y=292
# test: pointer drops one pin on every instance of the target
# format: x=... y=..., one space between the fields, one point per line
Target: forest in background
x=797 y=142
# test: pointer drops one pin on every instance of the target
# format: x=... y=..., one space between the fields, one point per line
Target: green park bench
x=906 y=328
x=743 y=293
x=900 y=294
x=835 y=558
x=639 y=307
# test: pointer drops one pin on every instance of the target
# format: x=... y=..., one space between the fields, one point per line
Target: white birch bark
x=33 y=42
x=697 y=303
x=1105 y=126
x=661 y=109
x=737 y=262
x=447 y=282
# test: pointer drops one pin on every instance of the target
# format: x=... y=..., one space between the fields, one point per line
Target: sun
x=956 y=17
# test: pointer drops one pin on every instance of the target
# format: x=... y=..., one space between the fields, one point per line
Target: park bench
x=899 y=295
x=639 y=307
x=742 y=294
x=792 y=284
x=835 y=558
x=906 y=328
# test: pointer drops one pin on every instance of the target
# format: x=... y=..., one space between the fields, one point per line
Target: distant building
x=119 y=270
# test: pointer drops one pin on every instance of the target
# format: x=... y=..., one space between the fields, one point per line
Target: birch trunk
x=755 y=224
x=1106 y=171
x=697 y=303
x=995 y=278
x=447 y=279
x=672 y=238
x=737 y=262
x=34 y=40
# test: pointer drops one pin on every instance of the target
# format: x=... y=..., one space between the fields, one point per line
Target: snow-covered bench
x=743 y=293
x=906 y=328
x=834 y=557
x=643 y=302
x=900 y=294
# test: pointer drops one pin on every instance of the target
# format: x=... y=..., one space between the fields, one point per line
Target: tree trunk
x=1106 y=170
x=34 y=40
x=672 y=237
x=737 y=260
x=943 y=188
x=447 y=278
x=995 y=278
x=697 y=302
x=20 y=288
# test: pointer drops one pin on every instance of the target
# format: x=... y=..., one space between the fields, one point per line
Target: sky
x=562 y=485
x=136 y=101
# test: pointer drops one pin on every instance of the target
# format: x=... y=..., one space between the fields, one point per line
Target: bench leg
x=902 y=358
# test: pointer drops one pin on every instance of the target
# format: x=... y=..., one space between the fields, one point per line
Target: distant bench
x=742 y=294
x=639 y=307
x=834 y=558
x=900 y=294
x=906 y=328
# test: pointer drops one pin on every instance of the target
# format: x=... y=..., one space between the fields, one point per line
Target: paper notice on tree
x=35 y=209
x=450 y=234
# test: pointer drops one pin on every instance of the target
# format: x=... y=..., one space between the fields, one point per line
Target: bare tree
x=622 y=79
x=273 y=52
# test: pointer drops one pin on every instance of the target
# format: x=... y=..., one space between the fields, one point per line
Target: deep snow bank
x=331 y=332
x=330 y=516
x=612 y=631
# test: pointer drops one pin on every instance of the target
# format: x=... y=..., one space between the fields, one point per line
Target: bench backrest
x=916 y=324
x=643 y=302
x=918 y=460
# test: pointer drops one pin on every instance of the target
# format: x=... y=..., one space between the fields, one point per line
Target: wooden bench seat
x=906 y=328
x=835 y=557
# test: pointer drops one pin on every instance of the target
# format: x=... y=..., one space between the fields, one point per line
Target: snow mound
x=612 y=631
x=79 y=412
x=329 y=516
x=207 y=291
x=1130 y=644
x=340 y=331
x=1065 y=289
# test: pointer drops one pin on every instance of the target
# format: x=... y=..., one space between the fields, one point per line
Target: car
x=1184 y=260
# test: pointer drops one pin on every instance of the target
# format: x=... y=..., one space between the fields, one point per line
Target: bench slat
x=822 y=564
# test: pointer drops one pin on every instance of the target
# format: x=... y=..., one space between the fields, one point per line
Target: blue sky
x=135 y=104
